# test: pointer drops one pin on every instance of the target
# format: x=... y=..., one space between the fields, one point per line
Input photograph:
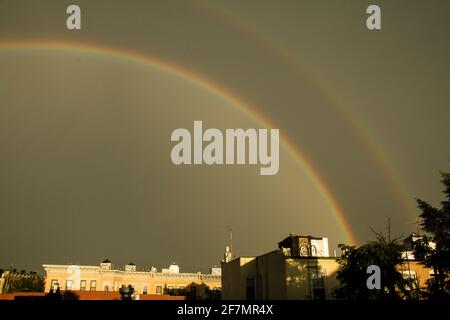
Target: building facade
x=301 y=269
x=169 y=281
x=413 y=270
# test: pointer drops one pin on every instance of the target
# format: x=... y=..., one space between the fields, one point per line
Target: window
x=93 y=285
x=54 y=284
x=69 y=284
x=83 y=285
x=318 y=283
x=159 y=289
x=145 y=290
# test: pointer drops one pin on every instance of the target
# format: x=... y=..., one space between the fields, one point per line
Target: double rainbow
x=204 y=83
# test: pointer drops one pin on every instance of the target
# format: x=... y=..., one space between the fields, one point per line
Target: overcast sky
x=85 y=170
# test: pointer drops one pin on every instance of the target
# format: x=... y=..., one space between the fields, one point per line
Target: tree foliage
x=433 y=249
x=387 y=254
x=27 y=284
x=22 y=282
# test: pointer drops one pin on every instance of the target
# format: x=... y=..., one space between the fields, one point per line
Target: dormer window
x=106 y=265
x=131 y=267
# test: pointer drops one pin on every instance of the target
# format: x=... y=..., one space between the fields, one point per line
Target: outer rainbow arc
x=363 y=133
x=208 y=85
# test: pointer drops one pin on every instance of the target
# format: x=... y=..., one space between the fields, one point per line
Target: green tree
x=386 y=254
x=23 y=282
x=433 y=249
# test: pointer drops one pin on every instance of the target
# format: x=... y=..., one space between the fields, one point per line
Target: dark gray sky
x=85 y=170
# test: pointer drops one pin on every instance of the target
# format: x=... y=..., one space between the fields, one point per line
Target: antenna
x=389 y=229
x=231 y=237
x=417 y=225
x=230 y=230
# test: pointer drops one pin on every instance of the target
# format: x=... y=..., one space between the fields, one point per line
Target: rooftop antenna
x=230 y=230
x=389 y=229
x=417 y=225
